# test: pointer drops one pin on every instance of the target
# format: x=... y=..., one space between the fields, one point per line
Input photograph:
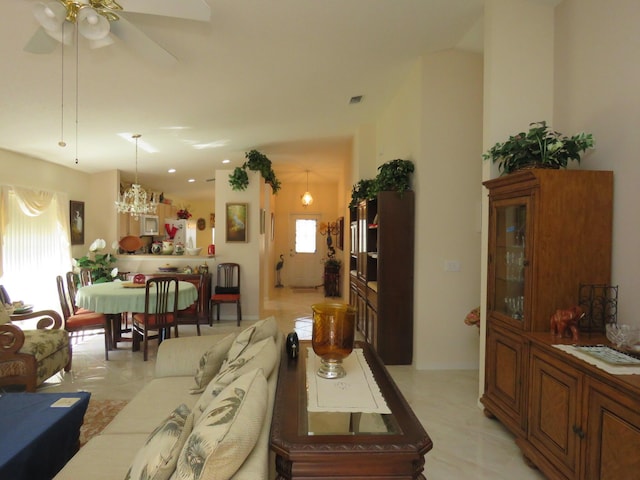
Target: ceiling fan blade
x=189 y=9
x=141 y=43
x=41 y=42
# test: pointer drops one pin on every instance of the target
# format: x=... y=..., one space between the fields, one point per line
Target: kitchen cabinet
x=381 y=280
x=549 y=232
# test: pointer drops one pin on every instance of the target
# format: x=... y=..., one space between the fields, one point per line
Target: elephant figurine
x=564 y=321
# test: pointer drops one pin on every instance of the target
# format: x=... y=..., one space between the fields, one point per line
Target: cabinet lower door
x=554 y=422
x=506 y=378
x=613 y=434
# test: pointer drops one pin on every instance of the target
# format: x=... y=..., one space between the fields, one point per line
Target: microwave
x=149 y=225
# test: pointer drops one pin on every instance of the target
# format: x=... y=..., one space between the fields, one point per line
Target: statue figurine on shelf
x=279 y=266
x=564 y=321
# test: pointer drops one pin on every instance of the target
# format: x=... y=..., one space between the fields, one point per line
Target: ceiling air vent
x=356 y=99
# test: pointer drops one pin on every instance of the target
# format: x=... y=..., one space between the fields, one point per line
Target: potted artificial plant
x=540 y=147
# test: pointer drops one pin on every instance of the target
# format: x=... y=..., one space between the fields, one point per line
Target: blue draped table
x=36 y=439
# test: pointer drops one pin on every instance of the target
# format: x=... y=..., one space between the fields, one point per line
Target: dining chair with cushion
x=30 y=356
x=79 y=323
x=227 y=289
x=72 y=288
x=160 y=313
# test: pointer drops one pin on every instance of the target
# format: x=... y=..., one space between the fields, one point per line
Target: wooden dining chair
x=85 y=277
x=79 y=323
x=227 y=289
x=160 y=313
x=72 y=289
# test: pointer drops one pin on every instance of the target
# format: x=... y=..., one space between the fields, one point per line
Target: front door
x=305 y=258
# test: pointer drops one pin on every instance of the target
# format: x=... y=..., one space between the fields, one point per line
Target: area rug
x=99 y=414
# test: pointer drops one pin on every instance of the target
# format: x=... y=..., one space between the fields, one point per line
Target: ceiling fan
x=97 y=20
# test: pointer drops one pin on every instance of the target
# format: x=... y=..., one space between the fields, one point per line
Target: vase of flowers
x=100 y=264
x=540 y=147
x=183 y=214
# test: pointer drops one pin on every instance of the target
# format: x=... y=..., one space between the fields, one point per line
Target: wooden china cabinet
x=549 y=232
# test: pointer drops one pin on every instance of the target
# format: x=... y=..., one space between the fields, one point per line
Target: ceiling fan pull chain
x=62 y=143
x=77 y=87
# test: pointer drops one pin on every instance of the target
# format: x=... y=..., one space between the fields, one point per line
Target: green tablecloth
x=114 y=298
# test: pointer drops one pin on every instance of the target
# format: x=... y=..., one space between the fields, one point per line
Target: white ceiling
x=274 y=75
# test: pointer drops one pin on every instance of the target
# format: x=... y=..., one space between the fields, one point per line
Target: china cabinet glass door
x=510 y=259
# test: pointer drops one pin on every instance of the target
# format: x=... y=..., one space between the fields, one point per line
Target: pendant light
x=134 y=200
x=307 y=199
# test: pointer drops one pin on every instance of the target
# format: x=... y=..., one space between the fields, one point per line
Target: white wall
x=435 y=120
x=596 y=90
x=246 y=254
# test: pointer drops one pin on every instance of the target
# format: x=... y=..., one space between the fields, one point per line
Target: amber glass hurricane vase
x=332 y=336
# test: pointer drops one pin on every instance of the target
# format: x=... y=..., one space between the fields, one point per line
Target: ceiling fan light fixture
x=50 y=15
x=92 y=24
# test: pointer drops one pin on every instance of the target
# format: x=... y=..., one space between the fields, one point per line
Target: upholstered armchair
x=30 y=356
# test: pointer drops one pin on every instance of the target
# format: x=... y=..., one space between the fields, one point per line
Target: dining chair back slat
x=160 y=312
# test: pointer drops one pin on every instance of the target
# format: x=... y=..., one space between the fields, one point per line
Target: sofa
x=206 y=414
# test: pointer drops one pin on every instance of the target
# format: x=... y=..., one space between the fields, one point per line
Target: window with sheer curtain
x=35 y=245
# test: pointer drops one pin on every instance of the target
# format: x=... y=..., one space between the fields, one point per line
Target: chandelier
x=134 y=199
x=307 y=199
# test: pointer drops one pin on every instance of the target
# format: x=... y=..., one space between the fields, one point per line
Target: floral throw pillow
x=227 y=431
x=210 y=363
x=158 y=458
x=253 y=334
x=262 y=355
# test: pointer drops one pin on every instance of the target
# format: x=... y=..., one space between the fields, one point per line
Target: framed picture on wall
x=76 y=219
x=340 y=233
x=236 y=221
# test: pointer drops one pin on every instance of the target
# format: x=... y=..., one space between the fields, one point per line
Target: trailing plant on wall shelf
x=540 y=147
x=257 y=162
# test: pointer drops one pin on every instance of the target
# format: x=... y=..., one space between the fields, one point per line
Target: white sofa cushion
x=155 y=399
x=158 y=458
x=253 y=334
x=210 y=363
x=227 y=431
x=262 y=355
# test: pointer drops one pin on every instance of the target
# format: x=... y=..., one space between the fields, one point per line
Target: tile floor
x=467 y=445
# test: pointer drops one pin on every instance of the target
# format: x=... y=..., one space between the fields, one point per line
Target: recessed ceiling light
x=226 y=160
x=172 y=170
x=191 y=180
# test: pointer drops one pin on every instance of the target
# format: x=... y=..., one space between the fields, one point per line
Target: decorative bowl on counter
x=194 y=251
x=625 y=337
x=130 y=243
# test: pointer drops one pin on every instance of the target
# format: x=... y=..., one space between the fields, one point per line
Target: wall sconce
x=307 y=199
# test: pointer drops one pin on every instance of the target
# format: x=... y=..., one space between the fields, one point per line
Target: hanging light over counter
x=134 y=200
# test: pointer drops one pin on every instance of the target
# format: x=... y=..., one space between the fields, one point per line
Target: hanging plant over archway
x=257 y=162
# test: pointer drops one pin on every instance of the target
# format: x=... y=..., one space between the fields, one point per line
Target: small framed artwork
x=273 y=227
x=236 y=222
x=76 y=219
x=340 y=233
x=262 y=221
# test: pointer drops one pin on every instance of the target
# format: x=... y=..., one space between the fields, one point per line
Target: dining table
x=118 y=297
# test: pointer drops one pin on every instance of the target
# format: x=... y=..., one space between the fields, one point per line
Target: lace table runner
x=602 y=365
x=356 y=392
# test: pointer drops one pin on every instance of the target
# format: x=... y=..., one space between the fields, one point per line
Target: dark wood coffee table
x=356 y=452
